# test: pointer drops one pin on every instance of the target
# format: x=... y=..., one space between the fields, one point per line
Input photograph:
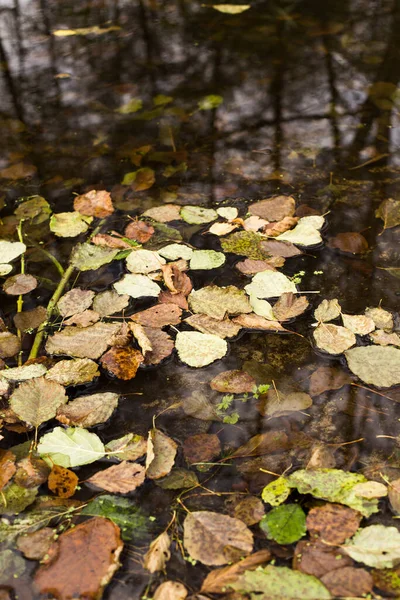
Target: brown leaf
x=387 y=580
x=110 y=241
x=82 y=561
x=122 y=337
x=88 y=411
x=158 y=554
x=264 y=443
x=318 y=559
x=30 y=319
x=96 y=203
x=19 y=170
x=350 y=242
x=201 y=447
x=321 y=457
x=73 y=372
x=205 y=324
x=141 y=337
x=19 y=284
x=10 y=344
x=164 y=213
x=233 y=382
x=218 y=580
x=327 y=378
x=83 y=319
x=275 y=229
x=75 y=301
x=253 y=321
x=389 y=212
x=348 y=582
x=171 y=590
x=123 y=362
x=382 y=338
x=161 y=343
x=145 y=178
x=216 y=539
x=289 y=306
x=276 y=402
x=170 y=298
x=333 y=523
x=140 y=231
x=31 y=472
x=159 y=315
x=82 y=342
x=62 y=482
x=129 y=447
x=121 y=479
x=176 y=281
x=7 y=467
x=109 y=302
x=161 y=452
x=279 y=248
x=394 y=495
x=249 y=266
x=36 y=545
x=274 y=209
x=250 y=510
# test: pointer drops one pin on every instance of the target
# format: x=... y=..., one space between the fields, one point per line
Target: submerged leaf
x=219 y=580
x=129 y=517
x=75 y=301
x=233 y=382
x=376 y=365
x=389 y=212
x=88 y=257
x=165 y=213
x=19 y=285
x=199 y=349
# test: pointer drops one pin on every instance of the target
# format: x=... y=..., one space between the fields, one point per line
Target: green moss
x=245 y=243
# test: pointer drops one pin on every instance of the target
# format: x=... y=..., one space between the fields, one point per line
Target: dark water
x=310 y=95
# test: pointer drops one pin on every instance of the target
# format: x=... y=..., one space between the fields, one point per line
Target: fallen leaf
x=110 y=241
x=141 y=338
x=219 y=580
x=84 y=319
x=389 y=212
x=227 y=212
x=65 y=575
x=7 y=467
x=161 y=343
x=96 y=203
x=327 y=378
x=137 y=286
x=12 y=566
x=253 y=321
x=394 y=495
x=289 y=306
x=144 y=261
x=73 y=372
x=387 y=581
x=333 y=338
x=176 y=281
x=176 y=251
x=19 y=170
x=158 y=316
x=359 y=324
x=82 y=342
x=254 y=223
x=251 y=267
x=70 y=447
x=268 y=284
x=376 y=365
x=199 y=349
x=15 y=498
x=370 y=489
x=328 y=310
x=276 y=492
x=383 y=319
x=222 y=228
x=161 y=452
x=109 y=303
x=284 y=524
x=216 y=539
x=37 y=210
x=36 y=401
x=350 y=242
x=121 y=479
x=280 y=249
x=263 y=443
x=306 y=232
x=31 y=472
x=74 y=302
x=129 y=517
x=88 y=257
x=376 y=546
x=333 y=523
x=262 y=308
x=165 y=213
x=231 y=9
x=140 y=231
x=201 y=447
x=88 y=411
x=62 y=482
x=123 y=362
x=178 y=479
x=69 y=224
x=275 y=229
x=198 y=405
x=30 y=319
x=197 y=215
x=129 y=447
x=318 y=559
x=216 y=302
x=19 y=285
x=276 y=403
x=206 y=260
x=233 y=382
x=10 y=344
x=205 y=324
x=250 y=510
x=171 y=590
x=94 y=30
x=274 y=209
x=23 y=373
x=382 y=338
x=36 y=545
x=131 y=106
x=348 y=582
x=158 y=554
x=9 y=251
x=171 y=298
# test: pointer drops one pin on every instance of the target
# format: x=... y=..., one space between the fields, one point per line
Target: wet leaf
x=376 y=365
x=132 y=106
x=275 y=229
x=158 y=316
x=31 y=472
x=327 y=378
x=281 y=582
x=84 y=319
x=216 y=301
x=171 y=298
x=382 y=338
x=96 y=203
x=161 y=452
x=350 y=242
x=216 y=539
x=306 y=232
x=19 y=170
x=110 y=241
x=19 y=284
x=219 y=580
x=70 y=447
x=359 y=324
x=333 y=523
x=210 y=102
x=178 y=479
x=328 y=310
x=222 y=228
x=199 y=349
x=5 y=269
x=7 y=467
x=137 y=286
x=140 y=231
x=62 y=482
x=262 y=308
x=206 y=260
x=253 y=321
x=197 y=215
x=376 y=546
x=227 y=212
x=165 y=213
x=144 y=261
x=279 y=249
x=36 y=545
x=15 y=498
x=276 y=492
x=88 y=411
x=158 y=554
x=394 y=495
x=250 y=510
x=128 y=447
x=333 y=338
x=276 y=403
x=86 y=342
x=348 y=582
x=123 y=362
x=176 y=251
x=69 y=224
x=274 y=209
x=30 y=319
x=245 y=243
x=73 y=372
x=233 y=382
x=23 y=373
x=9 y=251
x=177 y=282
x=370 y=489
x=205 y=324
x=198 y=405
x=317 y=559
x=284 y=524
x=161 y=343
x=123 y=512
x=12 y=567
x=264 y=443
x=121 y=479
x=88 y=257
x=269 y=284
x=65 y=575
x=109 y=303
x=387 y=580
x=289 y=306
x=201 y=447
x=383 y=319
x=251 y=267
x=389 y=212
x=36 y=209
x=75 y=301
x=37 y=400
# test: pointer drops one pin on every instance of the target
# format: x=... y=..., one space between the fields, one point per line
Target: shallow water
x=299 y=117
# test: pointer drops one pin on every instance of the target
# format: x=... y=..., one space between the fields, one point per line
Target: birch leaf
x=144 y=261
x=161 y=452
x=333 y=338
x=88 y=411
x=73 y=372
x=137 y=286
x=269 y=284
x=376 y=365
x=206 y=259
x=121 y=479
x=376 y=546
x=37 y=400
x=70 y=447
x=10 y=250
x=328 y=310
x=359 y=324
x=69 y=224
x=216 y=301
x=199 y=349
x=197 y=215
x=306 y=232
x=24 y=373
x=158 y=554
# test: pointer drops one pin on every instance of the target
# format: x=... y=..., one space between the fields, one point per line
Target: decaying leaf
x=88 y=411
x=216 y=302
x=269 y=284
x=35 y=545
x=262 y=308
x=62 y=481
x=73 y=372
x=264 y=443
x=205 y=324
x=306 y=232
x=10 y=344
x=251 y=267
x=110 y=241
x=65 y=575
x=158 y=554
x=137 y=286
x=348 y=582
x=7 y=467
x=161 y=452
x=382 y=338
x=88 y=317
x=69 y=224
x=75 y=301
x=70 y=447
x=109 y=303
x=275 y=229
x=376 y=546
x=389 y=212
x=161 y=343
x=197 y=215
x=317 y=559
x=274 y=209
x=277 y=403
x=165 y=213
x=199 y=349
x=376 y=365
x=30 y=319
x=233 y=382
x=250 y=510
x=289 y=306
x=88 y=257
x=246 y=243
x=96 y=203
x=216 y=539
x=280 y=249
x=171 y=590
x=219 y=580
x=9 y=251
x=333 y=523
x=82 y=342
x=142 y=261
x=359 y=324
x=328 y=310
x=383 y=319
x=327 y=378
x=129 y=447
x=123 y=362
x=253 y=321
x=19 y=284
x=158 y=316
x=201 y=447
x=222 y=228
x=350 y=242
x=206 y=260
x=333 y=338
x=121 y=479
x=37 y=400
x=23 y=373
x=140 y=231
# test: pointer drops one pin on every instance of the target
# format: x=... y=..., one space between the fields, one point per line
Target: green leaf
x=176 y=251
x=14 y=498
x=178 y=479
x=37 y=400
x=285 y=524
x=70 y=447
x=280 y=583
x=306 y=232
x=129 y=517
x=206 y=259
x=88 y=257
x=137 y=286
x=199 y=349
x=245 y=243
x=69 y=224
x=269 y=284
x=132 y=106
x=216 y=301
x=36 y=209
x=333 y=485
x=197 y=215
x=376 y=365
x=276 y=492
x=376 y=546
x=210 y=102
